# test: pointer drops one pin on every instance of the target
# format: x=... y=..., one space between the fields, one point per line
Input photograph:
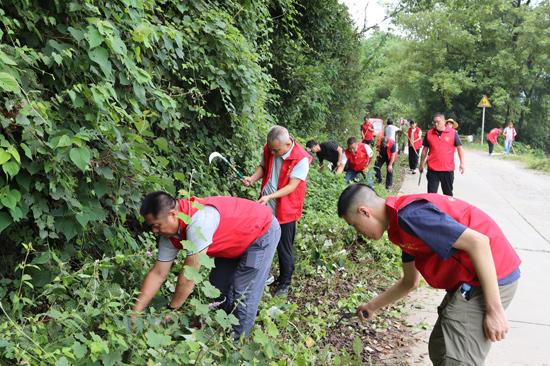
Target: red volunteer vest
x=369 y=135
x=289 y=208
x=418 y=144
x=358 y=161
x=492 y=135
x=449 y=274
x=441 y=156
x=241 y=222
x=389 y=145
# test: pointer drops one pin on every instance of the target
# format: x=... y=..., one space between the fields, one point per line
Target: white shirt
x=509 y=133
x=390 y=132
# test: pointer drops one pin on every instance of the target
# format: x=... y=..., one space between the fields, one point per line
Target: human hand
x=365 y=312
x=495 y=325
x=390 y=168
x=247 y=181
x=420 y=168
x=264 y=200
x=461 y=168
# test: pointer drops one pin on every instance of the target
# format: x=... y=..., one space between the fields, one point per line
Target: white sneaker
x=269 y=280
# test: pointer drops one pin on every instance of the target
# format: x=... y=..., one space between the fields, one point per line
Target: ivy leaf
x=206 y=262
x=64 y=141
x=62 y=362
x=225 y=320
x=10 y=197
x=8 y=83
x=162 y=144
x=117 y=45
x=6 y=60
x=27 y=151
x=5 y=221
x=210 y=291
x=80 y=156
x=192 y=274
x=183 y=217
x=155 y=340
x=11 y=168
x=4 y=156
x=93 y=37
x=79 y=349
x=101 y=57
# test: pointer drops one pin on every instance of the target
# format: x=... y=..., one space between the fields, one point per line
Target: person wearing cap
x=283 y=171
x=387 y=154
x=240 y=234
x=454 y=246
x=492 y=137
x=440 y=144
x=329 y=151
x=414 y=137
x=367 y=131
x=358 y=156
x=451 y=123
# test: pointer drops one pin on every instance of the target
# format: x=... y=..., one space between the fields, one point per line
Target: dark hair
x=352 y=140
x=412 y=121
x=438 y=114
x=390 y=121
x=347 y=197
x=310 y=144
x=157 y=202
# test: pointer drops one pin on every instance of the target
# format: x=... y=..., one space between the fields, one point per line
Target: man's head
x=363 y=209
x=352 y=144
x=412 y=123
x=313 y=146
x=278 y=140
x=366 y=118
x=438 y=121
x=390 y=121
x=510 y=124
x=160 y=213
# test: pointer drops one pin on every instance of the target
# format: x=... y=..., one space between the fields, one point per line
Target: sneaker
x=269 y=280
x=413 y=171
x=282 y=291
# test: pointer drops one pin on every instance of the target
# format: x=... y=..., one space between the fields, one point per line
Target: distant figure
x=391 y=130
x=451 y=123
x=367 y=131
x=509 y=137
x=440 y=144
x=492 y=137
x=387 y=154
x=414 y=137
x=358 y=156
x=330 y=151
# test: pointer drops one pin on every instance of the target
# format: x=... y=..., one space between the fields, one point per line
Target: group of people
x=509 y=137
x=452 y=244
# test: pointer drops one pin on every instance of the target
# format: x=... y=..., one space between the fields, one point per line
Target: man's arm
x=477 y=246
x=258 y=174
x=286 y=190
x=184 y=287
x=423 y=158
x=151 y=284
x=460 y=151
x=409 y=282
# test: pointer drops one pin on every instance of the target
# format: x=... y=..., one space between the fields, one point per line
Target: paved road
x=518 y=199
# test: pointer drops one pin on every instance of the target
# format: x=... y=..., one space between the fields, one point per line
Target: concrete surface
x=518 y=199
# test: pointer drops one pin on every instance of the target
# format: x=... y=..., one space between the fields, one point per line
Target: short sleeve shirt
x=425 y=142
x=200 y=232
x=299 y=171
x=329 y=151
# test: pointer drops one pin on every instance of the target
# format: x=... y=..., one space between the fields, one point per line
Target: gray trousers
x=242 y=280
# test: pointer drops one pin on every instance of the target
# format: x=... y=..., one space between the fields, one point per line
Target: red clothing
x=441 y=155
x=289 y=207
x=358 y=161
x=241 y=222
x=513 y=132
x=449 y=274
x=417 y=131
x=367 y=134
x=493 y=135
x=389 y=146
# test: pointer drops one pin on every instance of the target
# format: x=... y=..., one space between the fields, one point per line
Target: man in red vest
x=414 y=136
x=492 y=137
x=358 y=156
x=456 y=247
x=240 y=234
x=367 y=131
x=440 y=144
x=387 y=154
x=283 y=170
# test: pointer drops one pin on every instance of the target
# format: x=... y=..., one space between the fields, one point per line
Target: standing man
x=440 y=144
x=240 y=233
x=492 y=137
x=358 y=156
x=414 y=136
x=387 y=154
x=367 y=131
x=509 y=137
x=456 y=247
x=391 y=130
x=330 y=151
x=283 y=170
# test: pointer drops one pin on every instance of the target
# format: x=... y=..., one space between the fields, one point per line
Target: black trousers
x=221 y=277
x=491 y=146
x=286 y=253
x=380 y=161
x=445 y=178
x=413 y=158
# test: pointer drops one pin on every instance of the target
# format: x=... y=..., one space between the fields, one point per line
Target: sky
x=376 y=11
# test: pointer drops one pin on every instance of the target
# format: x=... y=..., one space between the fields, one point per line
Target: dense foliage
x=447 y=54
